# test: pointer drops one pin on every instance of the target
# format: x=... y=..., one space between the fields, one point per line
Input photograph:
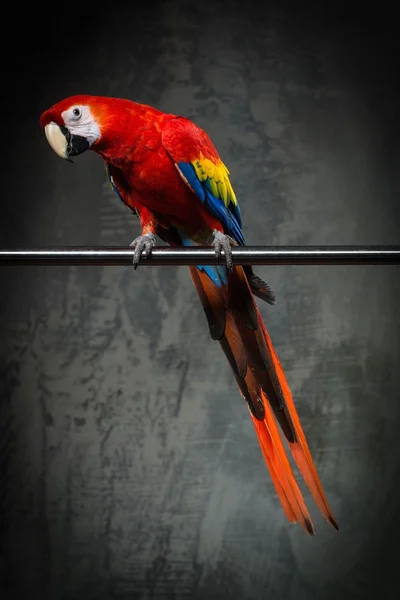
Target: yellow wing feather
x=217 y=176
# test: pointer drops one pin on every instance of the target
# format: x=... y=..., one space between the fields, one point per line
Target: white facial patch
x=80 y=121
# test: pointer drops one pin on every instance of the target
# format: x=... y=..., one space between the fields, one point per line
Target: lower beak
x=63 y=142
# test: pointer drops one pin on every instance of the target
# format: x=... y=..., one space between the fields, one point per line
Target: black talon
x=143 y=244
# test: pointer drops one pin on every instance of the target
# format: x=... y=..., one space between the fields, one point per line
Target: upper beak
x=56 y=139
x=63 y=142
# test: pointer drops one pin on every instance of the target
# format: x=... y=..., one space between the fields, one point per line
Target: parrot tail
x=234 y=320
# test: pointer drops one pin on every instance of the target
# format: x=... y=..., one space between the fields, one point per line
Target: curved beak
x=56 y=139
x=63 y=142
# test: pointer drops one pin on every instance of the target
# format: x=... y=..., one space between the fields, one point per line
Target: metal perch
x=166 y=256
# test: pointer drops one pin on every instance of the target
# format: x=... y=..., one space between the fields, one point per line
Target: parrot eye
x=76 y=112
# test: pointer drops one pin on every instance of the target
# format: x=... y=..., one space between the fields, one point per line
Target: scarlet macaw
x=168 y=171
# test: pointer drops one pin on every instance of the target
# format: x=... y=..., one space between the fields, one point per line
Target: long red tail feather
x=235 y=320
x=300 y=450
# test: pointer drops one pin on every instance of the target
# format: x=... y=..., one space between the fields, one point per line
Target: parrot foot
x=143 y=244
x=224 y=242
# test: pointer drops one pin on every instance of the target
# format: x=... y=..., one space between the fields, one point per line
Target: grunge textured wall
x=129 y=465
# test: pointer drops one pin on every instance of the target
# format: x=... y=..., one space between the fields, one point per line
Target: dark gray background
x=129 y=465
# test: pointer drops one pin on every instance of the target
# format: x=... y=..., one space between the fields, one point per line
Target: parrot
x=168 y=172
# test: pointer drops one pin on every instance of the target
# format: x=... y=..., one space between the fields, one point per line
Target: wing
x=114 y=187
x=201 y=168
x=167 y=234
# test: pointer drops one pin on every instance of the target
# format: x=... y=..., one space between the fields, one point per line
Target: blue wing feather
x=229 y=217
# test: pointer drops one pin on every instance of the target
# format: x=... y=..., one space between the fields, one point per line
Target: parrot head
x=78 y=123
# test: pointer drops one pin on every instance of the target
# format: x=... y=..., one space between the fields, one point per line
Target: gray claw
x=143 y=244
x=224 y=242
